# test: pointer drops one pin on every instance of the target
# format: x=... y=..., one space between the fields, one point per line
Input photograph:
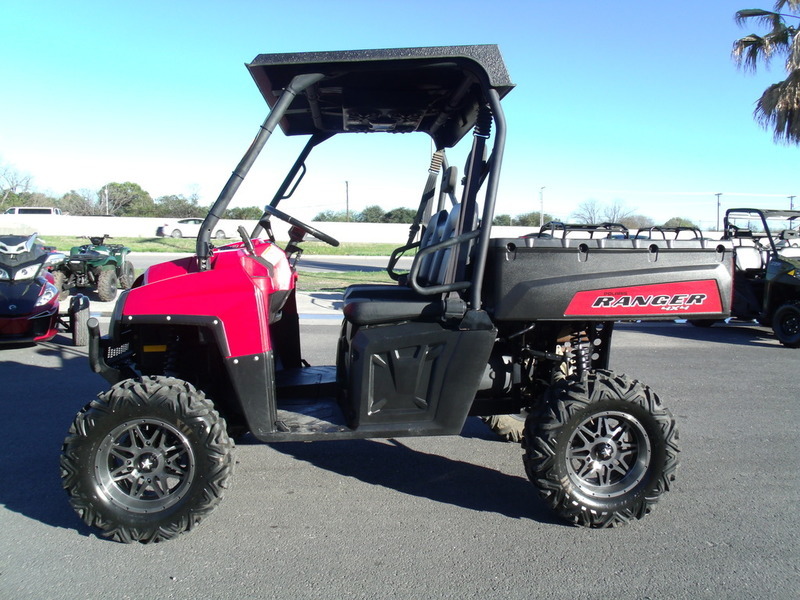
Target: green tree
x=250 y=213
x=399 y=215
x=331 y=216
x=637 y=221
x=125 y=200
x=779 y=106
x=371 y=214
x=178 y=207
x=679 y=222
x=531 y=219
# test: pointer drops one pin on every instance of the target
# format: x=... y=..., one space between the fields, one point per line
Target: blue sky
x=635 y=102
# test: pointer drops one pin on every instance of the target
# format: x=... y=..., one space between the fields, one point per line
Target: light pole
x=718 y=205
x=791 y=202
x=347 y=200
x=541 y=206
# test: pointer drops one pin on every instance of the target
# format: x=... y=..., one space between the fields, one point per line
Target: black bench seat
x=374 y=304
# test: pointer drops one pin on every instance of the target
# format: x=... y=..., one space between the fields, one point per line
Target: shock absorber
x=581 y=351
x=172 y=354
x=483 y=125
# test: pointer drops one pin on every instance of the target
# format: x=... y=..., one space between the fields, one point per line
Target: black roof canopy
x=437 y=90
x=767 y=213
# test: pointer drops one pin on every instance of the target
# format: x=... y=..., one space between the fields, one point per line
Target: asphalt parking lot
x=450 y=517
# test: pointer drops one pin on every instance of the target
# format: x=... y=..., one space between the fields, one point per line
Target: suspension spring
x=581 y=352
x=483 y=125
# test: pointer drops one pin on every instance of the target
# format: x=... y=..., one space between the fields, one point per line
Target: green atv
x=98 y=265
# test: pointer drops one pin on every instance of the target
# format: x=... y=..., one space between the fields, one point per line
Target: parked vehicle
x=767 y=278
x=32 y=210
x=29 y=307
x=96 y=265
x=187 y=228
x=208 y=346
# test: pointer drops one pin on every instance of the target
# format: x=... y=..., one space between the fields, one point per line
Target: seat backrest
x=432 y=235
x=748 y=257
x=441 y=258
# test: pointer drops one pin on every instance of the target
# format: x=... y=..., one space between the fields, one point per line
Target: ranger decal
x=685 y=297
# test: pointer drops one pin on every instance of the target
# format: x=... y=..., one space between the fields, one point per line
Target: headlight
x=4 y=274
x=48 y=293
x=28 y=272
x=55 y=258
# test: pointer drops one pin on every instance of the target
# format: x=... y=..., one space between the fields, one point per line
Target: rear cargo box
x=607 y=279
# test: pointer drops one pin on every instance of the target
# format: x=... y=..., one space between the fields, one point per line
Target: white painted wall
x=140 y=227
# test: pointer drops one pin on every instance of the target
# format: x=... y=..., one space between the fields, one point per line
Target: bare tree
x=79 y=203
x=617 y=212
x=12 y=182
x=588 y=213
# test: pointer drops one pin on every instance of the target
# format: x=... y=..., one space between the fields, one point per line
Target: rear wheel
x=601 y=449
x=786 y=324
x=147 y=460
x=509 y=427
x=127 y=275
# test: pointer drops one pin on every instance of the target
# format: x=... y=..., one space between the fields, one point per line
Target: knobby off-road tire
x=60 y=281
x=107 y=284
x=509 y=427
x=127 y=275
x=78 y=327
x=786 y=324
x=147 y=460
x=601 y=449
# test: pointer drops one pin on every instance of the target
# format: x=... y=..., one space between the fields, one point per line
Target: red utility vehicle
x=209 y=345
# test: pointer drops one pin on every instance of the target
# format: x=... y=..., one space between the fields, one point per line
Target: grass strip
x=313 y=281
x=158 y=244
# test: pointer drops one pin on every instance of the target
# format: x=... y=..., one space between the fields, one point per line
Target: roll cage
x=442 y=91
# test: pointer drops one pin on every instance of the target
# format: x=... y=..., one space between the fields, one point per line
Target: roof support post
x=297 y=85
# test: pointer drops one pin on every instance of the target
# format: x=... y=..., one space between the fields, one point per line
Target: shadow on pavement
x=394 y=465
x=745 y=334
x=38 y=404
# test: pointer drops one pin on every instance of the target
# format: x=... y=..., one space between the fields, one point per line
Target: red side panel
x=235 y=290
x=676 y=299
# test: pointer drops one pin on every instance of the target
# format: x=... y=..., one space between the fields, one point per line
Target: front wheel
x=147 y=460
x=107 y=284
x=78 y=320
x=786 y=324
x=601 y=449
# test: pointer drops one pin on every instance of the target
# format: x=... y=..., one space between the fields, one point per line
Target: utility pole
x=791 y=202
x=347 y=200
x=541 y=206
x=718 y=205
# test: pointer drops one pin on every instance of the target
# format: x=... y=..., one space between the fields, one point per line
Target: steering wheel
x=323 y=237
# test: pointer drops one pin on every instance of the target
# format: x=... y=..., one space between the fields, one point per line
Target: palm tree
x=779 y=105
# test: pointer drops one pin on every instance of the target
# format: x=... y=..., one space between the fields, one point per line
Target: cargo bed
x=533 y=278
